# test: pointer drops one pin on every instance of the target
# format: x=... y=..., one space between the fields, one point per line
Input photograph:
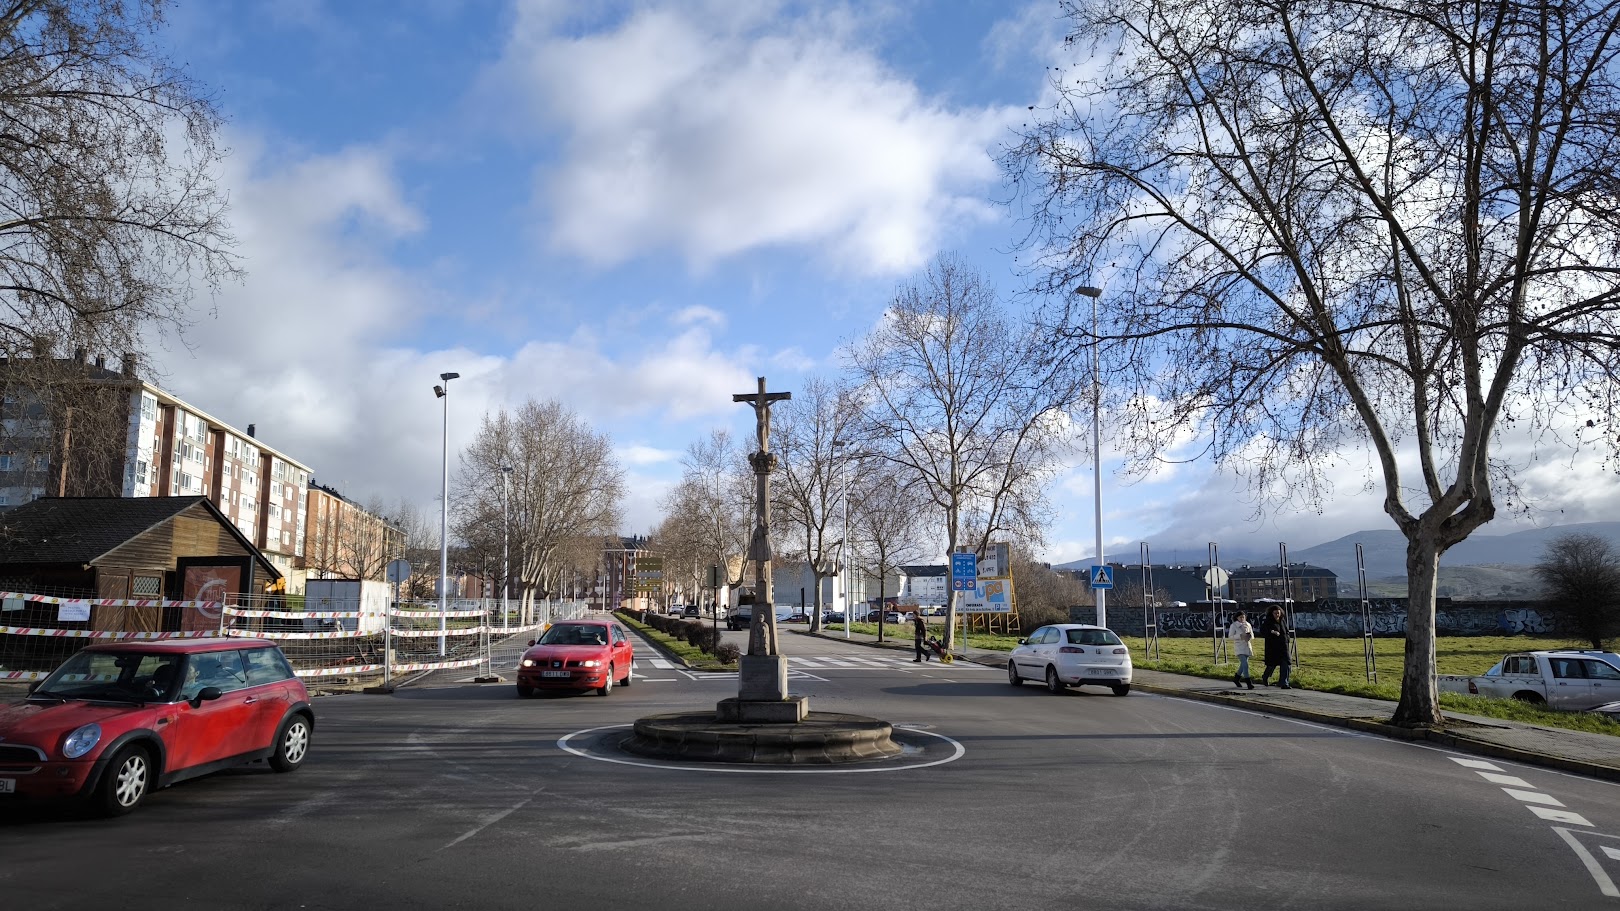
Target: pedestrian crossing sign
x=1102 y=577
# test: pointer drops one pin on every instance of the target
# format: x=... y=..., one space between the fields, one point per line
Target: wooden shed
x=179 y=548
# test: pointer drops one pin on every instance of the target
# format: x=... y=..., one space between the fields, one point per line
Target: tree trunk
x=1420 y=698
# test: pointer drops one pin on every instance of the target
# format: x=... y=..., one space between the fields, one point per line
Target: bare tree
x=814 y=427
x=1581 y=576
x=715 y=502
x=420 y=546
x=950 y=390
x=887 y=528
x=1373 y=224
x=109 y=215
x=564 y=486
x=1044 y=595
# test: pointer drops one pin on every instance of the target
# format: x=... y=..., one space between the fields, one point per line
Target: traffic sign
x=1102 y=577
x=398 y=570
x=964 y=572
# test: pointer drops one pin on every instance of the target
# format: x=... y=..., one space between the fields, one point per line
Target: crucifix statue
x=762 y=625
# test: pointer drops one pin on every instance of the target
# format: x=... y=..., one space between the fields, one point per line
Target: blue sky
x=633 y=208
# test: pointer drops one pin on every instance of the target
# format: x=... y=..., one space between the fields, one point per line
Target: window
x=225 y=470
x=140 y=471
x=5 y=499
x=1568 y=668
x=148 y=586
x=148 y=408
x=275 y=512
x=1600 y=670
x=5 y=461
x=221 y=669
x=1092 y=637
x=266 y=665
x=41 y=461
x=275 y=489
x=286 y=537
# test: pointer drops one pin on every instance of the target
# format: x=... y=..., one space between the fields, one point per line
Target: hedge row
x=701 y=635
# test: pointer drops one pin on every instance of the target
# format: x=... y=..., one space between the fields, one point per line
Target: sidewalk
x=1596 y=755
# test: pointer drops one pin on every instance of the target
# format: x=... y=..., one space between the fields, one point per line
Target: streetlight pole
x=1101 y=595
x=506 y=550
x=843 y=547
x=443 y=393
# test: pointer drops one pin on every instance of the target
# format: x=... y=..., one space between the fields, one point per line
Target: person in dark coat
x=919 y=637
x=1273 y=629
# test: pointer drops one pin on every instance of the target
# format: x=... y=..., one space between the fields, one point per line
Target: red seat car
x=120 y=720
x=576 y=655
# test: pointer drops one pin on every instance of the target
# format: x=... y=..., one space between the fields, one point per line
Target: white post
x=849 y=606
x=1101 y=595
x=506 y=550
x=443 y=392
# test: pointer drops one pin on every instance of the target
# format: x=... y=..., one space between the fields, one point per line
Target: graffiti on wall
x=1343 y=618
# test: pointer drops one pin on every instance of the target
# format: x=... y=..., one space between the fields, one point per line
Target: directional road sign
x=964 y=572
x=1102 y=577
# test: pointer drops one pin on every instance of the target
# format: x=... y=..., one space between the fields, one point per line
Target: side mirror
x=206 y=694
x=1023 y=642
x=34 y=686
x=531 y=641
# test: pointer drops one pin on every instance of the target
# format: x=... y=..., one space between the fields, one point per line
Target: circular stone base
x=823 y=738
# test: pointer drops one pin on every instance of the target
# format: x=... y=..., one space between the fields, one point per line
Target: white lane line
x=488 y=822
x=1534 y=797
x=660 y=663
x=1505 y=779
x=1476 y=764
x=1605 y=884
x=1613 y=853
x=1565 y=816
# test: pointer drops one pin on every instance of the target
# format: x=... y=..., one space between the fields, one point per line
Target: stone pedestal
x=762 y=678
x=791 y=710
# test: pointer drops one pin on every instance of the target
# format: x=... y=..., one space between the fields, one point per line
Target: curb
x=1450 y=740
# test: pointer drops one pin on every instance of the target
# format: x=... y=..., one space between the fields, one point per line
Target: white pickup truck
x=1573 y=680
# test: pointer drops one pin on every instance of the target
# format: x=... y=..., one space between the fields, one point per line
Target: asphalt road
x=455 y=795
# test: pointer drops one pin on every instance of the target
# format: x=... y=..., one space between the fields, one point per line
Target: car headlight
x=592 y=662
x=528 y=662
x=81 y=741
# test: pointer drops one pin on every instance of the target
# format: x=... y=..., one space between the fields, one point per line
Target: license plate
x=8 y=785
x=1101 y=670
x=555 y=674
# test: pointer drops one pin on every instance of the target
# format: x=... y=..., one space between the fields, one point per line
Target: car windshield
x=1093 y=637
x=114 y=676
x=575 y=634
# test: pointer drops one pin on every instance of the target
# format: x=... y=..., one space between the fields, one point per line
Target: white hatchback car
x=1072 y=654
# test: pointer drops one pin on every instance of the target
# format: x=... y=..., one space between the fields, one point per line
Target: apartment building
x=342 y=540
x=75 y=428
x=1304 y=582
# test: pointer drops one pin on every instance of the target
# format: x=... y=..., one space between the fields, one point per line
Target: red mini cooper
x=119 y=720
x=576 y=655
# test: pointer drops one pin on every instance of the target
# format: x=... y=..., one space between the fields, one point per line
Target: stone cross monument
x=762 y=692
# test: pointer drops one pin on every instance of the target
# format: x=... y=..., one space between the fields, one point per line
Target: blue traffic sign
x=1102 y=577
x=964 y=572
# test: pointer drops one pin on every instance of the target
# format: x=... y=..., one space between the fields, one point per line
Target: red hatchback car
x=120 y=720
x=576 y=655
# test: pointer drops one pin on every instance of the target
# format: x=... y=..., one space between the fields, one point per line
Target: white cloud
x=699 y=314
x=712 y=130
x=637 y=454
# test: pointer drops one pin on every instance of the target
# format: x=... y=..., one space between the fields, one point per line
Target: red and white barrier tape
x=110 y=602
x=102 y=633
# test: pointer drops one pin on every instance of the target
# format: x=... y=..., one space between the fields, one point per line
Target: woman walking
x=1275 y=631
x=1241 y=635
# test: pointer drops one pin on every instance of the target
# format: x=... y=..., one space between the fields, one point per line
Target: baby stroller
x=938 y=649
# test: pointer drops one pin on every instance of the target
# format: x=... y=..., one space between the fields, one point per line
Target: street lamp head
x=506 y=469
x=1088 y=291
x=438 y=392
x=447 y=377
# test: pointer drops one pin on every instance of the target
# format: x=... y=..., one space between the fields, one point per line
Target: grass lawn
x=1339 y=666
x=695 y=658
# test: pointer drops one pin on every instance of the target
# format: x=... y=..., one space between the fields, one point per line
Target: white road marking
x=957 y=752
x=488 y=822
x=1505 y=779
x=1613 y=853
x=1476 y=764
x=1605 y=884
x=1574 y=819
x=1533 y=797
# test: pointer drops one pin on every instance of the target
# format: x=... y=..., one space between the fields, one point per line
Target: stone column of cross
x=762 y=625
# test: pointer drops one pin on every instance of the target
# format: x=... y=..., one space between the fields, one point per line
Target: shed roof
x=85 y=529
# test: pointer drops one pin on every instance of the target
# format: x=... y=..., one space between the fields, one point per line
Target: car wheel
x=1122 y=689
x=1053 y=684
x=627 y=675
x=126 y=783
x=525 y=692
x=1530 y=697
x=1012 y=675
x=606 y=688
x=292 y=744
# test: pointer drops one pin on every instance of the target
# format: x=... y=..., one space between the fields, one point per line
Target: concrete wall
x=1342 y=617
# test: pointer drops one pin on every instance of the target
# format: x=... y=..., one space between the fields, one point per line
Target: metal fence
x=340 y=645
